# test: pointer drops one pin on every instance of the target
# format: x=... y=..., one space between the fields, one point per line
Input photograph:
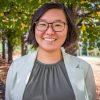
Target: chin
x=50 y=49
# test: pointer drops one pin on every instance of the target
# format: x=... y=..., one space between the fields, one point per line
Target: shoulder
x=26 y=58
x=75 y=59
x=23 y=61
x=77 y=62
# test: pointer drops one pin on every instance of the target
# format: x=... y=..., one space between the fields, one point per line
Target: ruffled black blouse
x=49 y=82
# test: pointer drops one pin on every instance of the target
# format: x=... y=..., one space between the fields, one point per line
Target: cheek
x=38 y=33
x=63 y=35
x=64 y=38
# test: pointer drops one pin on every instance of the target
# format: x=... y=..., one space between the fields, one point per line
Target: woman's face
x=49 y=40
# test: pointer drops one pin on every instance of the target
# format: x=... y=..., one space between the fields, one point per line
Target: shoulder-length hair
x=71 y=34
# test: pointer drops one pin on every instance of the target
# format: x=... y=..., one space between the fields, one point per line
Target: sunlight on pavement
x=95 y=63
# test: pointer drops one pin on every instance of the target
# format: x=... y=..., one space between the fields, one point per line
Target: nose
x=50 y=30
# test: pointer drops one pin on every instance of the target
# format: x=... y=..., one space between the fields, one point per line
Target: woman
x=49 y=73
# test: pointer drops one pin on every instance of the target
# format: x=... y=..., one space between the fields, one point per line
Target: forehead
x=54 y=14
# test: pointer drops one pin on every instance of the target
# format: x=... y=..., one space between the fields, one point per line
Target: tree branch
x=19 y=12
x=86 y=14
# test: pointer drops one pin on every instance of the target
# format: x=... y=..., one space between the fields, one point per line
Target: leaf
x=83 y=1
x=83 y=28
x=1 y=14
x=23 y=26
x=39 y=1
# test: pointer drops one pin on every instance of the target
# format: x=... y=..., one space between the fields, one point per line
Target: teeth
x=47 y=39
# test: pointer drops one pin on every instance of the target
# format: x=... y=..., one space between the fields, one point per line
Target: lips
x=49 y=39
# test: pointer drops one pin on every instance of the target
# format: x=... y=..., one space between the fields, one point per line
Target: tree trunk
x=3 y=47
x=10 y=52
x=23 y=46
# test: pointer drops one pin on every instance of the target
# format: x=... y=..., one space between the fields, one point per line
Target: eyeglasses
x=57 y=26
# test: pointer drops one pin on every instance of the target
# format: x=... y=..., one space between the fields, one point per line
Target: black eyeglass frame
x=36 y=23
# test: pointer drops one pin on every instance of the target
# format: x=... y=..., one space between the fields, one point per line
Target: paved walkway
x=90 y=58
x=95 y=63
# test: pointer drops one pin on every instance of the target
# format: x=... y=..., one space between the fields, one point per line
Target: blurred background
x=15 y=18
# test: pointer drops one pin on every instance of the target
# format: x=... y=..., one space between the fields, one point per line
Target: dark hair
x=71 y=35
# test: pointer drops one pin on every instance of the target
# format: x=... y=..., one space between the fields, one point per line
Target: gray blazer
x=80 y=74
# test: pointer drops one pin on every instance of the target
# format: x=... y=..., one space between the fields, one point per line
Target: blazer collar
x=76 y=75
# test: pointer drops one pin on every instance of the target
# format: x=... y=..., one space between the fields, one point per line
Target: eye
x=58 y=25
x=42 y=24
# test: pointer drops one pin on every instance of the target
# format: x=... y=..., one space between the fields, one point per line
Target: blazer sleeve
x=90 y=84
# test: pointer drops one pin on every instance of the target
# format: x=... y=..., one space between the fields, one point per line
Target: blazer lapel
x=76 y=75
x=23 y=76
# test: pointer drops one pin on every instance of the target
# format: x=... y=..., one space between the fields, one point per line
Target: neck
x=48 y=57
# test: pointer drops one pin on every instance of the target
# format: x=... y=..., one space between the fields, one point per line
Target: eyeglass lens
x=56 y=26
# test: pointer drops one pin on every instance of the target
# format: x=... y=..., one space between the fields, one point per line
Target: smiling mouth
x=49 y=39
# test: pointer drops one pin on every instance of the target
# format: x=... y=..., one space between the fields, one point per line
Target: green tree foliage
x=15 y=17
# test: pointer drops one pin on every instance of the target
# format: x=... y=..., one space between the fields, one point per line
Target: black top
x=49 y=82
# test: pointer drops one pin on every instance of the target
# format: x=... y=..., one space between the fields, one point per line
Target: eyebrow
x=58 y=20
